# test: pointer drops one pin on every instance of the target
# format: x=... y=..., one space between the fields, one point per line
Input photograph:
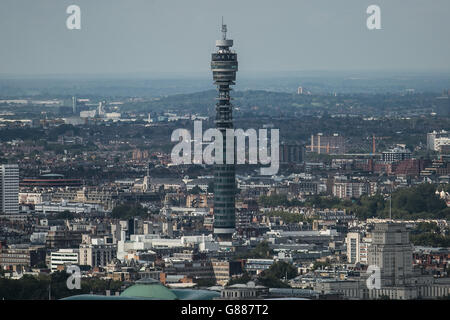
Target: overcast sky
x=151 y=36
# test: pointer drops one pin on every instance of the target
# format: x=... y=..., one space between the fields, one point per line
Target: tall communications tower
x=224 y=66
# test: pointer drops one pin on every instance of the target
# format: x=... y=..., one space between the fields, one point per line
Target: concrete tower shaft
x=224 y=66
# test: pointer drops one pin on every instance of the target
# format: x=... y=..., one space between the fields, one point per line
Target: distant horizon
x=173 y=75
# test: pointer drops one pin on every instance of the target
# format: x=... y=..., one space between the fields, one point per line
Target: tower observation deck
x=224 y=66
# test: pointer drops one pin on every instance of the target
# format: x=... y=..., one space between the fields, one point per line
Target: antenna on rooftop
x=390 y=206
x=224 y=30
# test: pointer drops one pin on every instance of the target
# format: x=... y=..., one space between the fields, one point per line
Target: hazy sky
x=150 y=36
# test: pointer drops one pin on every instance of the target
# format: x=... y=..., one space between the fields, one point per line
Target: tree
x=261 y=251
x=429 y=234
x=269 y=280
x=244 y=278
x=321 y=265
x=411 y=203
x=205 y=282
x=281 y=269
x=65 y=215
x=128 y=211
x=196 y=190
x=37 y=288
x=274 y=200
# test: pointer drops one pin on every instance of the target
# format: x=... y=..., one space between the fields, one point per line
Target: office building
x=9 y=189
x=63 y=239
x=357 y=248
x=392 y=252
x=22 y=255
x=62 y=258
x=97 y=253
x=348 y=190
x=353 y=241
x=225 y=270
x=256 y=266
x=399 y=153
x=438 y=141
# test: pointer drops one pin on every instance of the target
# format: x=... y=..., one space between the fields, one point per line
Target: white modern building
x=357 y=248
x=88 y=114
x=73 y=207
x=147 y=242
x=347 y=190
x=436 y=141
x=63 y=257
x=353 y=240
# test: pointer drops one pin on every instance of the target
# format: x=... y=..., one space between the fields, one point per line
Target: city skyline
x=106 y=195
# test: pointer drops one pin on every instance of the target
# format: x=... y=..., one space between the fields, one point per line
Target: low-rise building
x=22 y=255
x=63 y=257
x=247 y=291
x=97 y=253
